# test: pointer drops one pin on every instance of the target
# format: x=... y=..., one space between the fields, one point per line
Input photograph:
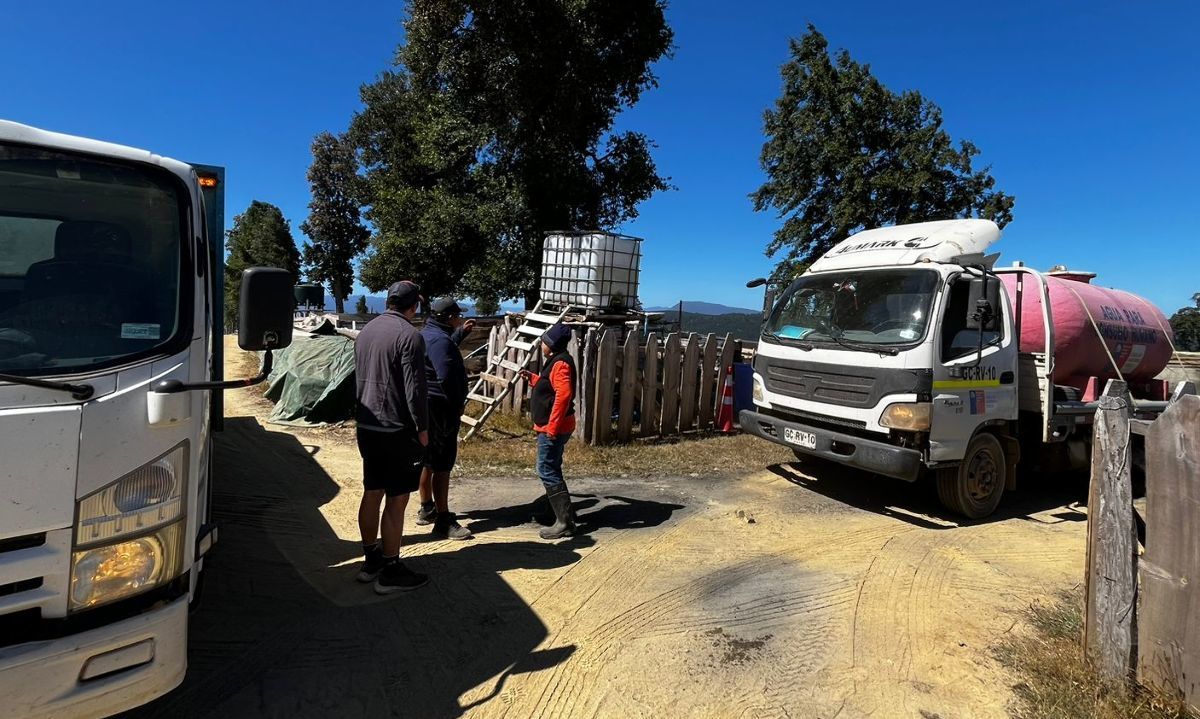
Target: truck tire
x=974 y=488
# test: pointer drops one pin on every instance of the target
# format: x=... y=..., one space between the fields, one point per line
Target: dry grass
x=1056 y=680
x=507 y=446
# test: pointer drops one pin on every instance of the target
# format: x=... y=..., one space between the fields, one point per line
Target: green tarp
x=313 y=381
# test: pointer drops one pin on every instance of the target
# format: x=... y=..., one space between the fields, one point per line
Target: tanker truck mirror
x=265 y=309
x=983 y=304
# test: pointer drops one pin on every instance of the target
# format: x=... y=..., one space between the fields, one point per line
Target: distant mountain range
x=376 y=305
x=705 y=308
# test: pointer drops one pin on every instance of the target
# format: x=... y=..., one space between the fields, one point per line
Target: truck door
x=970 y=388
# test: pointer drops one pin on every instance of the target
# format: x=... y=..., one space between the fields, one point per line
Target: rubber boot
x=564 y=524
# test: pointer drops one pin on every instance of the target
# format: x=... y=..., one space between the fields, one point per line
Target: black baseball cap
x=404 y=294
x=446 y=307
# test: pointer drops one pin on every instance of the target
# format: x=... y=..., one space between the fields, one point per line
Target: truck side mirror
x=983 y=304
x=265 y=309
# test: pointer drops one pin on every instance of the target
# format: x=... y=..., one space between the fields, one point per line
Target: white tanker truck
x=904 y=348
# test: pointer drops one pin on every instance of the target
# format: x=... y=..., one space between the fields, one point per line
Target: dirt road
x=780 y=593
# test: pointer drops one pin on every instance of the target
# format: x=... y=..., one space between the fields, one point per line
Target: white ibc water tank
x=591 y=270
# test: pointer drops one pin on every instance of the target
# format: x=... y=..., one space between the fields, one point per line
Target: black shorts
x=392 y=461
x=444 y=424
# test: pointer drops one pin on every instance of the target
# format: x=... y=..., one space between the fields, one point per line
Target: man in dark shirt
x=393 y=421
x=447 y=379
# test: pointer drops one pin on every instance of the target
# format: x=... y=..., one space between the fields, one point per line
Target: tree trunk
x=339 y=297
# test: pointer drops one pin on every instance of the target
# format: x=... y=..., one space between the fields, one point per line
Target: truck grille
x=845 y=386
x=33 y=575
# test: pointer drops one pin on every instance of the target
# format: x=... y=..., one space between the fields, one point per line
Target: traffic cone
x=724 y=421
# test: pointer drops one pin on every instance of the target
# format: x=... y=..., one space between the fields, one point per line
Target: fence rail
x=1143 y=613
x=634 y=386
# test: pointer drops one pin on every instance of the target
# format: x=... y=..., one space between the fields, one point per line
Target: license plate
x=808 y=440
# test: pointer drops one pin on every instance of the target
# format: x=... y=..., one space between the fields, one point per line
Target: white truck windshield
x=90 y=261
x=871 y=307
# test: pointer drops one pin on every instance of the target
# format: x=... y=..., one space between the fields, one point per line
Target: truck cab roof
x=938 y=241
x=24 y=134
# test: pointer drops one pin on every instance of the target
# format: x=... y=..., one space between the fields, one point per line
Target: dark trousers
x=550 y=459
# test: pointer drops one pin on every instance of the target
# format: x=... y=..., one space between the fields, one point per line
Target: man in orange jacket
x=552 y=404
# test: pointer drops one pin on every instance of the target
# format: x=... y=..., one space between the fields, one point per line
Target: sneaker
x=396 y=577
x=447 y=527
x=427 y=513
x=372 y=566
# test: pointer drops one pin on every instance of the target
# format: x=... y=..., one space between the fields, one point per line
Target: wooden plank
x=469 y=421
x=650 y=387
x=492 y=380
x=1169 y=602
x=510 y=367
x=533 y=331
x=629 y=387
x=543 y=318
x=587 y=385
x=574 y=350
x=669 y=424
x=480 y=398
x=708 y=372
x=518 y=345
x=1110 y=590
x=606 y=377
x=727 y=350
x=688 y=384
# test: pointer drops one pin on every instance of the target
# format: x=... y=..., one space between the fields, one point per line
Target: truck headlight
x=760 y=392
x=911 y=416
x=114 y=571
x=129 y=535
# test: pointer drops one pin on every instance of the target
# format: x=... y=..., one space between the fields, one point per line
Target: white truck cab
x=110 y=328
x=897 y=352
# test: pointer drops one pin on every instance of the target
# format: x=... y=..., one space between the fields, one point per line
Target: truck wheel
x=974 y=488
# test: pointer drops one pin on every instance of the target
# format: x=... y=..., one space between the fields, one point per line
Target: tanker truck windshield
x=877 y=310
x=91 y=255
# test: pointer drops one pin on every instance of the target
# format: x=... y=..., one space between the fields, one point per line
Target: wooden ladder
x=525 y=340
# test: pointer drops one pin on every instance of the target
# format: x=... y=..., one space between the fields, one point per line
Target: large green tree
x=844 y=153
x=260 y=237
x=1186 y=325
x=334 y=226
x=496 y=125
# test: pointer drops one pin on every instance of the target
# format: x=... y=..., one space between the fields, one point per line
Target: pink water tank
x=1130 y=326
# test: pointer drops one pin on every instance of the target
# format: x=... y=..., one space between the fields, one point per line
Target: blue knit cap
x=557 y=337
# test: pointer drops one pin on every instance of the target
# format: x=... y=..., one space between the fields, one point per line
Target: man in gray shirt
x=393 y=419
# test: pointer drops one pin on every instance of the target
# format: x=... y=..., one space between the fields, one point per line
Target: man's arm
x=412 y=367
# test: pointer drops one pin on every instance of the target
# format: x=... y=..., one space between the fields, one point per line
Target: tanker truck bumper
x=99 y=672
x=847 y=449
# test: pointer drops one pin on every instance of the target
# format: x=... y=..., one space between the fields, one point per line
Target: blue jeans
x=550 y=458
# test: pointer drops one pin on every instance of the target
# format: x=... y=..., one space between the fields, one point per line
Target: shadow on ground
x=593 y=512
x=284 y=631
x=917 y=504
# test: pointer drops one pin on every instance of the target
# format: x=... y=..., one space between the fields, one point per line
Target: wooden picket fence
x=633 y=386
x=1143 y=612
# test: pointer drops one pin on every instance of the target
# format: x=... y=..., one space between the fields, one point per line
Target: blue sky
x=1087 y=112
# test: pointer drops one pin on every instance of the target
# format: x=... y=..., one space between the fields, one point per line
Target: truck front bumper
x=99 y=672
x=866 y=454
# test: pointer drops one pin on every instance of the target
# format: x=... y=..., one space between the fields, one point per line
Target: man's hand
x=525 y=374
x=423 y=438
x=468 y=326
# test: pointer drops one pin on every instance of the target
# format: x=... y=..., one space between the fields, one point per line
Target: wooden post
x=1112 y=539
x=573 y=349
x=606 y=377
x=670 y=387
x=687 y=384
x=650 y=384
x=708 y=371
x=629 y=387
x=1168 y=631
x=493 y=336
x=727 y=349
x=587 y=384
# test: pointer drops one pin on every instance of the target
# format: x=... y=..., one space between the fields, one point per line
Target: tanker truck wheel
x=974 y=488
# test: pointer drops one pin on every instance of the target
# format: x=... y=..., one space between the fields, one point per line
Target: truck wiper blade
x=866 y=347
x=78 y=391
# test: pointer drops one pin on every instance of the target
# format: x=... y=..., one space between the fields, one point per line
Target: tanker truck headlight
x=911 y=416
x=760 y=392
